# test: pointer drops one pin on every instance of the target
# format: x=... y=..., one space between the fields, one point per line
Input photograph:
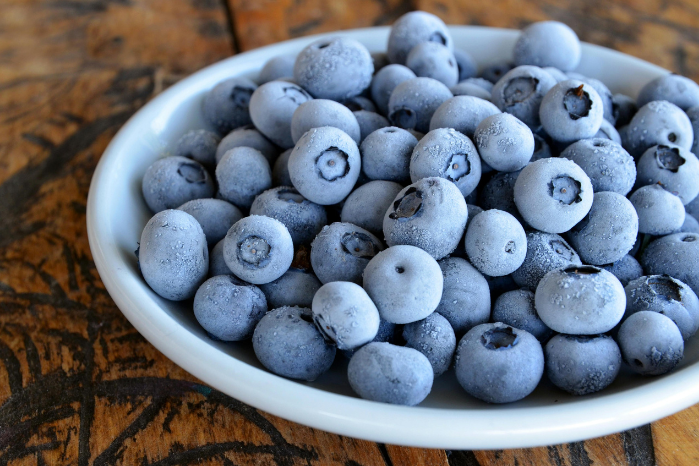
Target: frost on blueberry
x=669 y=158
x=358 y=244
x=458 y=167
x=577 y=103
x=519 y=89
x=499 y=338
x=407 y=206
x=254 y=251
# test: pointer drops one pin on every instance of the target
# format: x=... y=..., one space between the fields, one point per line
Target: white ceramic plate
x=448 y=418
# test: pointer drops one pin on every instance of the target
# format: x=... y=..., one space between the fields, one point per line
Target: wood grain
x=78 y=385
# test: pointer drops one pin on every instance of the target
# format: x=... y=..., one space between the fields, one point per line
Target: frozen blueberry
x=281 y=66
x=462 y=113
x=521 y=91
x=690 y=225
x=480 y=82
x=605 y=97
x=673 y=88
x=545 y=252
x=659 y=211
x=413 y=102
x=516 y=308
x=676 y=255
x=173 y=255
x=390 y=374
x=229 y=309
x=548 y=43
x=367 y=205
x=295 y=288
x=226 y=106
x=468 y=88
x=303 y=218
x=504 y=142
x=380 y=60
x=623 y=109
x=217 y=264
x=430 y=214
x=280 y=171
x=498 y=363
x=693 y=115
x=413 y=28
x=345 y=315
x=448 y=154
x=385 y=81
x=433 y=337
x=258 y=249
x=608 y=165
x=465 y=299
x=582 y=365
x=674 y=168
x=358 y=103
x=657 y=122
x=369 y=122
x=321 y=112
x=608 y=231
x=466 y=64
x=405 y=283
x=553 y=194
x=498 y=193
x=247 y=136
x=693 y=207
x=272 y=106
x=386 y=334
x=171 y=181
x=341 y=251
x=578 y=300
x=214 y=215
x=571 y=110
x=337 y=68
x=473 y=210
x=199 y=145
x=607 y=131
x=542 y=150
x=496 y=243
x=242 y=174
x=625 y=269
x=288 y=343
x=386 y=154
x=433 y=60
x=557 y=74
x=494 y=72
x=650 y=343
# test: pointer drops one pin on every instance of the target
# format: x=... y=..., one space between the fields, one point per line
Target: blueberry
x=498 y=363
x=496 y=243
x=609 y=230
x=413 y=102
x=337 y=68
x=693 y=115
x=413 y=28
x=280 y=171
x=500 y=285
x=433 y=337
x=674 y=168
x=650 y=343
x=676 y=255
x=380 y=60
x=173 y=255
x=605 y=97
x=303 y=218
x=325 y=164
x=430 y=214
x=226 y=106
x=247 y=136
x=465 y=300
x=390 y=374
x=690 y=225
x=466 y=64
x=468 y=88
x=386 y=154
x=553 y=194
x=473 y=210
x=369 y=122
x=321 y=112
x=448 y=154
x=623 y=109
x=521 y=91
x=258 y=249
x=433 y=60
x=386 y=334
x=659 y=211
x=673 y=88
x=405 y=283
x=607 y=131
x=542 y=150
x=281 y=66
x=385 y=81
x=548 y=43
x=657 y=122
x=345 y=315
x=242 y=174
x=582 y=365
x=217 y=264
x=367 y=205
x=545 y=252
x=571 y=110
x=214 y=215
x=516 y=308
x=667 y=296
x=504 y=142
x=288 y=343
x=578 y=300
x=480 y=82
x=693 y=207
x=199 y=145
x=341 y=251
x=625 y=269
x=295 y=288
x=272 y=106
x=498 y=193
x=229 y=309
x=462 y=113
x=608 y=165
x=494 y=72
x=557 y=74
x=171 y=181
x=359 y=103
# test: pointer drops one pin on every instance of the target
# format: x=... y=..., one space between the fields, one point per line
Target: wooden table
x=78 y=385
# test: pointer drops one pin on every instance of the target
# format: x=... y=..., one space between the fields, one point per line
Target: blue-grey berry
x=413 y=102
x=623 y=109
x=272 y=106
x=542 y=150
x=676 y=255
x=693 y=115
x=465 y=299
x=433 y=337
x=468 y=88
x=605 y=97
x=516 y=308
x=498 y=193
x=496 y=243
x=690 y=225
x=608 y=165
x=247 y=136
x=674 y=88
x=317 y=113
x=281 y=66
x=650 y=343
x=462 y=113
x=367 y=205
x=548 y=43
x=659 y=211
x=607 y=131
x=571 y=110
x=295 y=288
x=557 y=74
x=386 y=154
x=625 y=269
x=369 y=122
x=280 y=170
x=545 y=252
x=199 y=145
x=215 y=216
x=380 y=60
x=674 y=168
x=359 y=102
x=466 y=64
x=385 y=81
x=494 y=72
x=657 y=122
x=521 y=91
x=226 y=106
x=433 y=60
x=242 y=174
x=171 y=181
x=413 y=28
x=217 y=264
x=504 y=142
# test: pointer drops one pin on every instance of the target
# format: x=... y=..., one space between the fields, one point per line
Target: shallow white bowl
x=448 y=418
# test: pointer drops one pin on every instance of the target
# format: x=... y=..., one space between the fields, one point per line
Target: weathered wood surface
x=78 y=385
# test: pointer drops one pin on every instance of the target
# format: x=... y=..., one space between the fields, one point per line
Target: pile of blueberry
x=397 y=208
